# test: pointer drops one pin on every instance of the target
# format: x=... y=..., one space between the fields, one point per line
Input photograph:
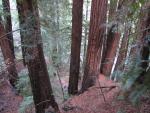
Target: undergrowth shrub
x=128 y=78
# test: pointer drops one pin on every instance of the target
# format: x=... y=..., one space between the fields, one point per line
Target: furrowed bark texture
x=34 y=56
x=95 y=42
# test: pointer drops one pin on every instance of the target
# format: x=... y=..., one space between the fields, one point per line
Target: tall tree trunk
x=86 y=34
x=96 y=34
x=34 y=56
x=8 y=24
x=8 y=56
x=110 y=52
x=111 y=43
x=75 y=46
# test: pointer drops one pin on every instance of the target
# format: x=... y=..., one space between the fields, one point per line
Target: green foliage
x=128 y=79
x=130 y=75
x=121 y=111
x=137 y=92
x=128 y=18
x=23 y=84
x=56 y=30
x=27 y=105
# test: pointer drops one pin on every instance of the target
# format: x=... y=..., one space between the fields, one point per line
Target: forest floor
x=9 y=99
x=91 y=101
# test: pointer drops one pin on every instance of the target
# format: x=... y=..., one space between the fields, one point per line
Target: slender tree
x=123 y=51
x=8 y=24
x=86 y=30
x=77 y=11
x=34 y=56
x=95 y=43
x=7 y=54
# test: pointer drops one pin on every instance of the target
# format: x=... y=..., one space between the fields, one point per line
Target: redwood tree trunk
x=96 y=35
x=110 y=52
x=8 y=56
x=112 y=41
x=75 y=46
x=8 y=24
x=34 y=56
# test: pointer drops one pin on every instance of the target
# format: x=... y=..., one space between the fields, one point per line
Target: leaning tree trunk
x=34 y=56
x=96 y=34
x=75 y=46
x=8 y=24
x=8 y=56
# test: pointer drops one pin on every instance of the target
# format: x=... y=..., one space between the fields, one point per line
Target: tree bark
x=95 y=43
x=34 y=56
x=75 y=46
x=110 y=52
x=8 y=24
x=112 y=40
x=8 y=56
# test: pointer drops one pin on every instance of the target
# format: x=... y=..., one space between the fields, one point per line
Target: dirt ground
x=91 y=101
x=9 y=100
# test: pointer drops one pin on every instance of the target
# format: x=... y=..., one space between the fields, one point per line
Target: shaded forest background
x=52 y=50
